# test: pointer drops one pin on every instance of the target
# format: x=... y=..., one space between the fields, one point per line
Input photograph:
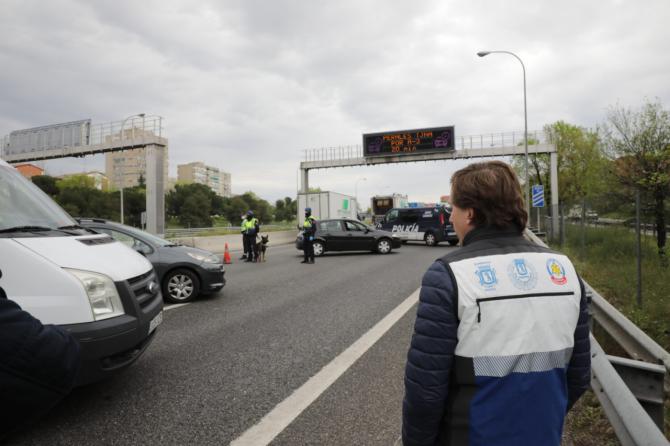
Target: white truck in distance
x=327 y=205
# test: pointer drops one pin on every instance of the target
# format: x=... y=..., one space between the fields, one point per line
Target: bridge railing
x=131 y=133
x=631 y=391
x=483 y=141
x=134 y=129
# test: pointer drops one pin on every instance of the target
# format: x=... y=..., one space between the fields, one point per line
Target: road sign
x=409 y=142
x=538 y=196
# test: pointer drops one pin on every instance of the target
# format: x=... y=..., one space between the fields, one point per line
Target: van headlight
x=102 y=295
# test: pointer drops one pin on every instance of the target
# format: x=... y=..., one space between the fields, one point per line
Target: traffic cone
x=226 y=255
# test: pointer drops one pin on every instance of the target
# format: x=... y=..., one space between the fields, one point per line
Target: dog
x=261 y=247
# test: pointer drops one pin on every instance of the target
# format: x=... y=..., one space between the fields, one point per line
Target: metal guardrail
x=631 y=392
x=632 y=425
x=629 y=336
x=193 y=232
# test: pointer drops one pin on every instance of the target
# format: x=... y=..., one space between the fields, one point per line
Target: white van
x=102 y=292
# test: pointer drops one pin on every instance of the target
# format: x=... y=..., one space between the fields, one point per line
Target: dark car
x=430 y=225
x=350 y=235
x=183 y=272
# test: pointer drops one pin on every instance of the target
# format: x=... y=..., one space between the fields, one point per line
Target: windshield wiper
x=77 y=227
x=26 y=229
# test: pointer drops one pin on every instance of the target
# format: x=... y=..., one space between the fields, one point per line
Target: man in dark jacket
x=38 y=366
x=500 y=350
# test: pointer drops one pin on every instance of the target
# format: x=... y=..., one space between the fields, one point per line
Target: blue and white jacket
x=500 y=350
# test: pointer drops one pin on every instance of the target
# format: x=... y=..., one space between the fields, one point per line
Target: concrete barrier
x=217 y=244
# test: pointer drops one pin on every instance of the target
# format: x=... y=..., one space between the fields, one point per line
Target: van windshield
x=24 y=205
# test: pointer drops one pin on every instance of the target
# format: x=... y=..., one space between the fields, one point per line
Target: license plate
x=155 y=322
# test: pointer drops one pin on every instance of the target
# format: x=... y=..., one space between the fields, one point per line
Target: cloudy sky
x=247 y=85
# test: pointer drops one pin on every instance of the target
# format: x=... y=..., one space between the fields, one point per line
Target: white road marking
x=288 y=410
x=173 y=306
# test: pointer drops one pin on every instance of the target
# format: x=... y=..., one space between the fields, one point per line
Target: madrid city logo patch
x=556 y=272
x=486 y=275
x=522 y=274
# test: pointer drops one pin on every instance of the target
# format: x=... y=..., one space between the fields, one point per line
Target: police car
x=428 y=224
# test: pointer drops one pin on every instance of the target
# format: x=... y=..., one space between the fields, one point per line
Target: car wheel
x=453 y=242
x=319 y=249
x=180 y=286
x=384 y=246
x=430 y=239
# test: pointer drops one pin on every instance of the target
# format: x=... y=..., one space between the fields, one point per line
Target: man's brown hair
x=492 y=190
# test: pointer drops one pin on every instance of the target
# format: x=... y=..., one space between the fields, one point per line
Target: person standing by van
x=308 y=232
x=500 y=350
x=38 y=368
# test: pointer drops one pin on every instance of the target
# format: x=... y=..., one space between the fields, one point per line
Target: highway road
x=262 y=361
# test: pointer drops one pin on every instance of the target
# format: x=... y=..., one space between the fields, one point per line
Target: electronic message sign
x=409 y=142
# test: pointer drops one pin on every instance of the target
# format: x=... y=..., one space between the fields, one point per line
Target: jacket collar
x=488 y=232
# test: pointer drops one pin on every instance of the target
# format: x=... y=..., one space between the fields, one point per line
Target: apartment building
x=123 y=169
x=198 y=172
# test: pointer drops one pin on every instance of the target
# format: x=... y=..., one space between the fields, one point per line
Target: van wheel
x=180 y=286
x=453 y=242
x=318 y=248
x=384 y=246
x=430 y=239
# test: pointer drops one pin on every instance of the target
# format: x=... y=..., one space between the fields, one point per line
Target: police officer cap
x=308 y=209
x=250 y=212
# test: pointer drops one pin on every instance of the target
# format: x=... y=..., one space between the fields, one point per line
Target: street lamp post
x=140 y=115
x=356 y=191
x=525 y=123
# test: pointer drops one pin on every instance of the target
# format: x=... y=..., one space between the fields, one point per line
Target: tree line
x=192 y=205
x=604 y=168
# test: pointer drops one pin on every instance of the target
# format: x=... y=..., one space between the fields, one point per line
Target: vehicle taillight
x=442 y=222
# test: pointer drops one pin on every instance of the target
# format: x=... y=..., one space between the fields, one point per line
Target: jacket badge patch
x=486 y=275
x=556 y=272
x=522 y=274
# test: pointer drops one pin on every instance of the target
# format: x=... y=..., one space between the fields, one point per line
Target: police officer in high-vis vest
x=244 y=238
x=308 y=232
x=251 y=228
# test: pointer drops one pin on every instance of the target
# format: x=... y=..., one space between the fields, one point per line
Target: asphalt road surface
x=220 y=365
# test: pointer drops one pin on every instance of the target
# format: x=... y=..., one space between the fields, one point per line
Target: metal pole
x=639 y=247
x=525 y=122
x=525 y=132
x=122 y=222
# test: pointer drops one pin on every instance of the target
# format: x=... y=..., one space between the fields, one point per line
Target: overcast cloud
x=248 y=85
